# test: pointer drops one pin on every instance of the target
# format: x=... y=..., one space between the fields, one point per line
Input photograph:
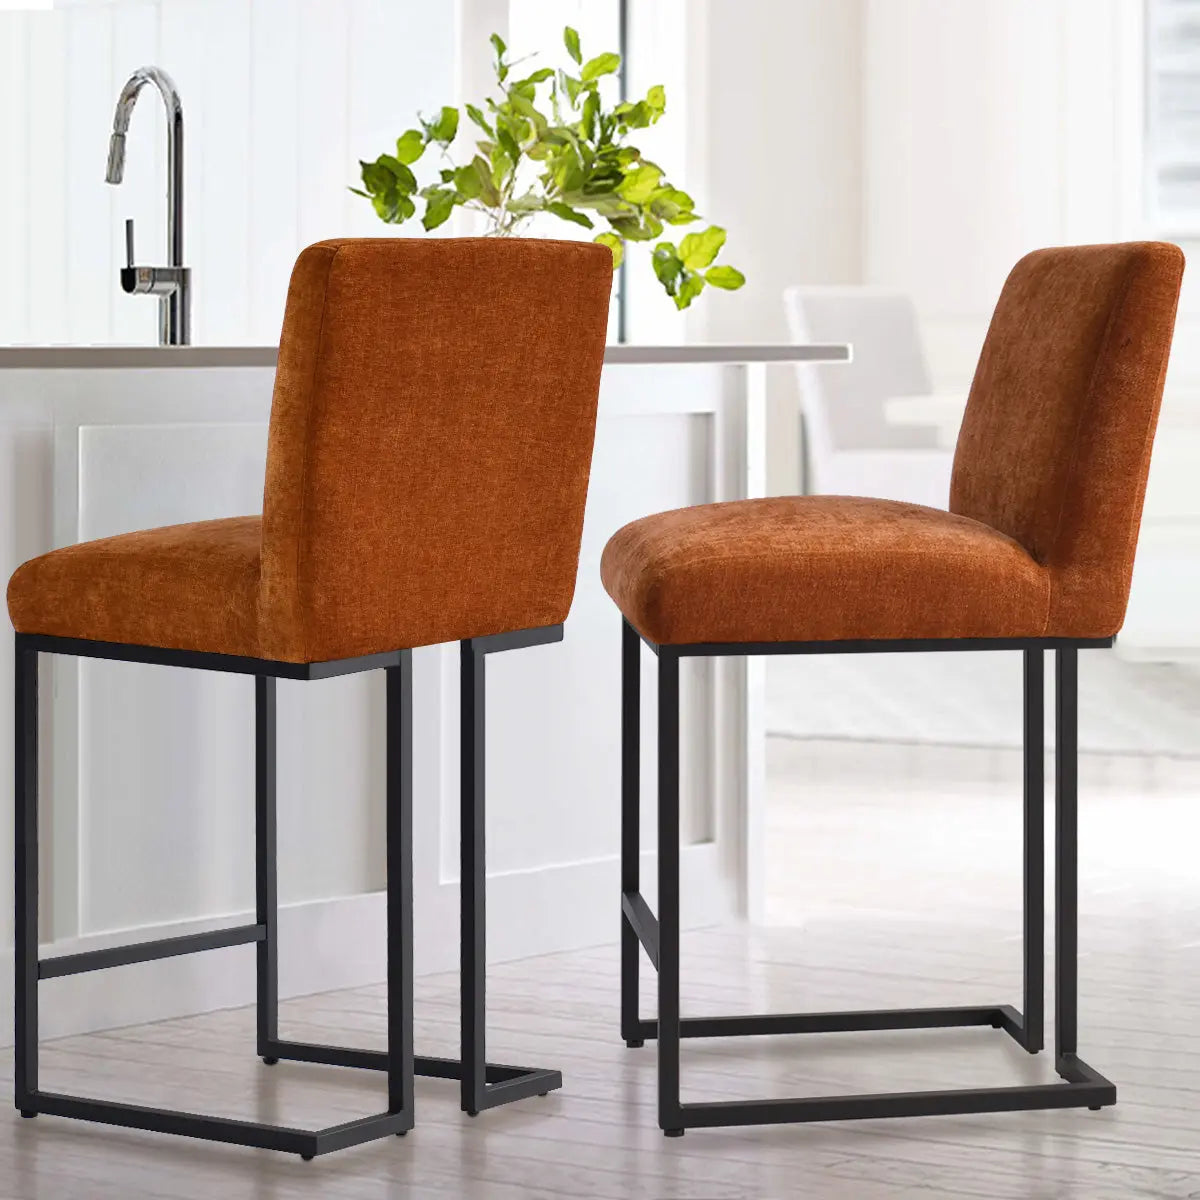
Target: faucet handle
x=149 y=281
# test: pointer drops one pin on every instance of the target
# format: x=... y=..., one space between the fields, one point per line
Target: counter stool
x=427 y=465
x=1035 y=554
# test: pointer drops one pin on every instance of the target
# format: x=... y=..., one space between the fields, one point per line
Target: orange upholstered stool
x=427 y=466
x=1035 y=554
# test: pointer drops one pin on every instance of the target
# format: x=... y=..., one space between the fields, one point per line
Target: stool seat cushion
x=822 y=568
x=183 y=587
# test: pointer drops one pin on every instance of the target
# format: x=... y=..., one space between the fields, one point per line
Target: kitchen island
x=148 y=798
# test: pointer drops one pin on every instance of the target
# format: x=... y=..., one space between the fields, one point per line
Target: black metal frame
x=659 y=935
x=484 y=1084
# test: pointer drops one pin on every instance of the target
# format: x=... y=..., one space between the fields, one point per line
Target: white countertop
x=142 y=357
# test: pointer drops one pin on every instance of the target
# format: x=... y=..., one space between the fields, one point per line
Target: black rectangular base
x=307 y=1143
x=502 y=1083
x=1081 y=1088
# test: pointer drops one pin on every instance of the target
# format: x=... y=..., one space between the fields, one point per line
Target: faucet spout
x=116 y=159
x=174 y=306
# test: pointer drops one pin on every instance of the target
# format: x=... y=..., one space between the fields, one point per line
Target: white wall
x=776 y=98
x=992 y=128
x=281 y=98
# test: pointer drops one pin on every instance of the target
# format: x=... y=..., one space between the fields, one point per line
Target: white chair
x=851 y=449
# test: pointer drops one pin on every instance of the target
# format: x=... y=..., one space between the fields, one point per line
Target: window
x=652 y=36
x=1173 y=117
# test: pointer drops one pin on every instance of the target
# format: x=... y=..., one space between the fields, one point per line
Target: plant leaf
x=393 y=207
x=639 y=184
x=567 y=213
x=656 y=101
x=571 y=41
x=691 y=284
x=591 y=110
x=633 y=116
x=615 y=244
x=571 y=86
x=373 y=177
x=404 y=178
x=633 y=230
x=443 y=128
x=438 y=207
x=467 y=182
x=501 y=66
x=667 y=266
x=508 y=144
x=672 y=205
x=699 y=249
x=729 y=278
x=527 y=203
x=538 y=76
x=410 y=145
x=480 y=120
x=602 y=64
x=488 y=192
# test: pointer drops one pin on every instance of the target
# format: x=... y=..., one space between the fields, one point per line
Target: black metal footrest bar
x=123 y=956
x=308 y=1143
x=504 y=1083
x=773 y=1024
x=1082 y=1088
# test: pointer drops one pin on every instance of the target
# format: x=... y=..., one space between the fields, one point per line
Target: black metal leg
x=1079 y=1086
x=307 y=1143
x=670 y=1118
x=400 y=889
x=631 y=686
x=25 y=750
x=1032 y=1032
x=1066 y=852
x=472 y=877
x=266 y=899
x=490 y=1084
x=483 y=1084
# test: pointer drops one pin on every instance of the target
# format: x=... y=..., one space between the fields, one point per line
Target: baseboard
x=325 y=945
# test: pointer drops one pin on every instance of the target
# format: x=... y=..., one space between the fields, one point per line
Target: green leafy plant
x=572 y=159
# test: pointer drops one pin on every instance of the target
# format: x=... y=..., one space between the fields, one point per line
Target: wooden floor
x=904 y=881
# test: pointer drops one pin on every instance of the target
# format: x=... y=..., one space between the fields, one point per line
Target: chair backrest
x=843 y=402
x=430 y=442
x=1055 y=445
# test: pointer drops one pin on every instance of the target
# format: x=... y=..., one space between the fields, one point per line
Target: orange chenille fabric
x=427 y=466
x=1055 y=445
x=188 y=587
x=1045 y=502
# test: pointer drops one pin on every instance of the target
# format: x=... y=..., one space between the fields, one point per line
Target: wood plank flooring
x=896 y=886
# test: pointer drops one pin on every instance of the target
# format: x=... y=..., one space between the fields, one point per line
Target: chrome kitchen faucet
x=172 y=284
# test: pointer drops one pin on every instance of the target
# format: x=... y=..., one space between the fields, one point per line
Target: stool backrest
x=1055 y=443
x=430 y=442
